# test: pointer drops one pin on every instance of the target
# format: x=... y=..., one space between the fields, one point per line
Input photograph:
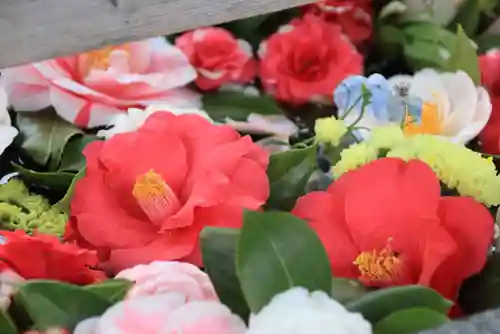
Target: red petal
x=325 y=213
x=391 y=199
x=471 y=226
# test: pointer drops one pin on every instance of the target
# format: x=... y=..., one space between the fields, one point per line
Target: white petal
x=481 y=117
x=87 y=326
x=7 y=135
x=463 y=98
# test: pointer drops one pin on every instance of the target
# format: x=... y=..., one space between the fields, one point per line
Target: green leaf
x=288 y=174
x=113 y=290
x=64 y=204
x=482 y=292
x=237 y=105
x=57 y=181
x=378 y=304
x=72 y=158
x=464 y=57
x=44 y=135
x=218 y=246
x=278 y=251
x=51 y=304
x=410 y=321
x=345 y=290
x=467 y=17
x=7 y=325
x=427 y=44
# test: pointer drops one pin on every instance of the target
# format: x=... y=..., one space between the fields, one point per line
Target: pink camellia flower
x=89 y=89
x=305 y=60
x=166 y=314
x=218 y=57
x=169 y=277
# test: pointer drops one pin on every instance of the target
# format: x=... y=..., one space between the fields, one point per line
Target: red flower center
x=155 y=197
x=379 y=268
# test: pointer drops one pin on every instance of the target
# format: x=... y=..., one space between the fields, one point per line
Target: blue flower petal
x=348 y=91
x=381 y=92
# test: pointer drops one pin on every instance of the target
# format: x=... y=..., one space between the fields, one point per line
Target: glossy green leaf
x=410 y=321
x=346 y=290
x=379 y=304
x=64 y=204
x=464 y=57
x=7 y=325
x=72 y=158
x=113 y=290
x=237 y=105
x=288 y=174
x=56 y=304
x=278 y=251
x=467 y=17
x=44 y=135
x=218 y=246
x=57 y=181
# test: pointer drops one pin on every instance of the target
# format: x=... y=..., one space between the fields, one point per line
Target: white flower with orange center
x=453 y=106
x=442 y=104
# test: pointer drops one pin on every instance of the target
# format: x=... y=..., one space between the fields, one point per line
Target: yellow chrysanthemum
x=330 y=130
x=21 y=210
x=355 y=156
x=456 y=166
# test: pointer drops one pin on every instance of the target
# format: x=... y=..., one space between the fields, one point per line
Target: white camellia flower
x=7 y=131
x=297 y=311
x=453 y=107
x=135 y=118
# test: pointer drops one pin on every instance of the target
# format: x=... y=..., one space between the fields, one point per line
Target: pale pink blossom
x=164 y=314
x=161 y=277
x=90 y=88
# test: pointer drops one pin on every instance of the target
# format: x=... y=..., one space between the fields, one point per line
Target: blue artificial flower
x=385 y=105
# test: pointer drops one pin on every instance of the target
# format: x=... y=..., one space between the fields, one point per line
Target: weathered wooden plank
x=33 y=30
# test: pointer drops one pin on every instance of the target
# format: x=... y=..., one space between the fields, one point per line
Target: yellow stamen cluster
x=456 y=166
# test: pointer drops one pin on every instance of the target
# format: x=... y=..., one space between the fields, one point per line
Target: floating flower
x=305 y=60
x=7 y=131
x=169 y=277
x=219 y=58
x=477 y=178
x=387 y=224
x=43 y=256
x=90 y=88
x=445 y=104
x=490 y=75
x=164 y=313
x=330 y=130
x=354 y=16
x=155 y=189
x=135 y=118
x=300 y=312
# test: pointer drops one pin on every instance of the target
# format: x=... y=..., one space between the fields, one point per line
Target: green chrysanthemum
x=20 y=210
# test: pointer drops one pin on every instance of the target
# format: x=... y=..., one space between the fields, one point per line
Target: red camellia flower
x=387 y=224
x=354 y=16
x=146 y=195
x=490 y=75
x=43 y=256
x=305 y=60
x=218 y=57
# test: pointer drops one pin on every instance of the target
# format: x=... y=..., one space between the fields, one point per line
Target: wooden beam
x=33 y=30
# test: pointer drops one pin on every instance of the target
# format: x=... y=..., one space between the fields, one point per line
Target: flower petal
x=481 y=117
x=463 y=217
